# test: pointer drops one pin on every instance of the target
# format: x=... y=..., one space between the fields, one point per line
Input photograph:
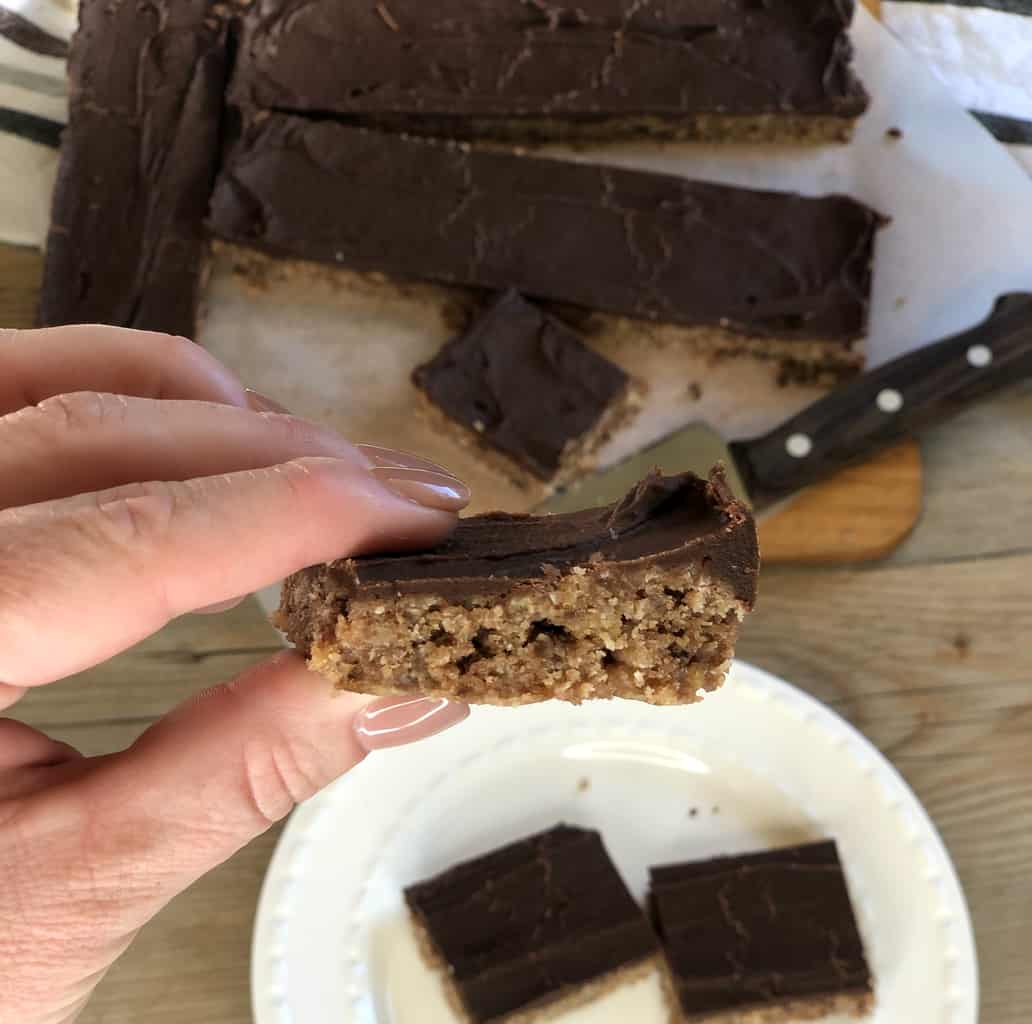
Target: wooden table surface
x=929 y=653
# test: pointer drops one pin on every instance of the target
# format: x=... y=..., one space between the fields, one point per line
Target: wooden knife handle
x=921 y=388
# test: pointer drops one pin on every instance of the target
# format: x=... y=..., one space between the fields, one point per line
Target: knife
x=926 y=386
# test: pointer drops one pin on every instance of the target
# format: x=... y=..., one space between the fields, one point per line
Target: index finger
x=39 y=364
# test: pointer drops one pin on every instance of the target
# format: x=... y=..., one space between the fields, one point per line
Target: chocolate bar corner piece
x=760 y=936
x=527 y=387
x=530 y=71
x=641 y=599
x=127 y=242
x=536 y=926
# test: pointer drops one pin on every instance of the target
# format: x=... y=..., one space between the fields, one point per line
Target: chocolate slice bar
x=526 y=386
x=763 y=937
x=628 y=242
x=533 y=928
x=127 y=240
x=531 y=69
x=641 y=599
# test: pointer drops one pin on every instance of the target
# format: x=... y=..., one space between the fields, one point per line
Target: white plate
x=758 y=764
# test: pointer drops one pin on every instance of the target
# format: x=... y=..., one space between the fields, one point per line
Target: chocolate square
x=759 y=931
x=531 y=923
x=525 y=383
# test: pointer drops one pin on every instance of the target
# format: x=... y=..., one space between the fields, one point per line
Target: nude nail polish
x=262 y=403
x=426 y=487
x=395 y=721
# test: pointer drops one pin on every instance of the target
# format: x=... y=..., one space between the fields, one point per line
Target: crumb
x=894 y=133
x=716 y=809
x=583 y=785
x=899 y=303
x=694 y=812
x=962 y=645
x=694 y=391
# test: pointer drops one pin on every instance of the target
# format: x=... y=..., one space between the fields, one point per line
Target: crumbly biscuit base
x=658 y=634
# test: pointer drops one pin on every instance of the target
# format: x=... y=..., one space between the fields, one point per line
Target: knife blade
x=877 y=409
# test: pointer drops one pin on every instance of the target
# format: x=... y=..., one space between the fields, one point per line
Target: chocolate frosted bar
x=764 y=937
x=533 y=928
x=127 y=240
x=528 y=388
x=536 y=69
x=627 y=242
x=641 y=599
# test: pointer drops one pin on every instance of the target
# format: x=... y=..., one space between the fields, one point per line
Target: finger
x=35 y=365
x=231 y=762
x=91 y=441
x=84 y=578
x=10 y=695
x=103 y=852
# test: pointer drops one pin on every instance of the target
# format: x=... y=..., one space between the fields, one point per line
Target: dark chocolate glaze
x=748 y=932
x=523 y=382
x=512 y=59
x=669 y=521
x=531 y=922
x=127 y=240
x=629 y=242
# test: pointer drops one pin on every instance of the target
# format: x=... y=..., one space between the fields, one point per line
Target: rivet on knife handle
x=891 y=402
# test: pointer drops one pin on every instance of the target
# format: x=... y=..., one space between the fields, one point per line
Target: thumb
x=91 y=857
x=232 y=761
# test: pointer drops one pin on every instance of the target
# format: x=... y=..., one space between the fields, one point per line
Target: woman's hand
x=140 y=481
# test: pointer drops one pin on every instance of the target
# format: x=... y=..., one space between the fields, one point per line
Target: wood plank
x=21 y=270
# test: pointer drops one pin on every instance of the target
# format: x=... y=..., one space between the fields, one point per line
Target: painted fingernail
x=262 y=403
x=393 y=721
x=426 y=487
x=392 y=458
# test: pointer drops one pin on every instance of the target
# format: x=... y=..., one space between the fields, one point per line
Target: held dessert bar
x=528 y=389
x=532 y=929
x=761 y=938
x=633 y=243
x=641 y=599
x=538 y=69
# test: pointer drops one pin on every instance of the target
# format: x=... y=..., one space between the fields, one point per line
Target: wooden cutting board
x=859 y=515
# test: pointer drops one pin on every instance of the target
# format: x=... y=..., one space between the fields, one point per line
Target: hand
x=137 y=483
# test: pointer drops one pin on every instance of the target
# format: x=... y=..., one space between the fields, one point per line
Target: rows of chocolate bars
x=544 y=924
x=342 y=133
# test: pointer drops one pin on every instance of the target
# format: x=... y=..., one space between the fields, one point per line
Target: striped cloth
x=982 y=52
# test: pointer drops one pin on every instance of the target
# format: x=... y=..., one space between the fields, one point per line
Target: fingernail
x=262 y=403
x=391 y=458
x=394 y=721
x=426 y=487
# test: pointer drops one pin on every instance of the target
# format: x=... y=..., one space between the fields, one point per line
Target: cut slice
x=520 y=382
x=533 y=928
x=761 y=938
x=641 y=599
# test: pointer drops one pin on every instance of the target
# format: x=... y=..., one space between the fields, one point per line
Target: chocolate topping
x=745 y=932
x=523 y=58
x=524 y=382
x=127 y=239
x=665 y=520
x=627 y=242
x=531 y=921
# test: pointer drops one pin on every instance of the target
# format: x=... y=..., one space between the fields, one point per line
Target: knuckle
x=141 y=517
x=79 y=411
x=277 y=776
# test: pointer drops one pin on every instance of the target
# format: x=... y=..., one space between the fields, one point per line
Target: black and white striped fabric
x=980 y=49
